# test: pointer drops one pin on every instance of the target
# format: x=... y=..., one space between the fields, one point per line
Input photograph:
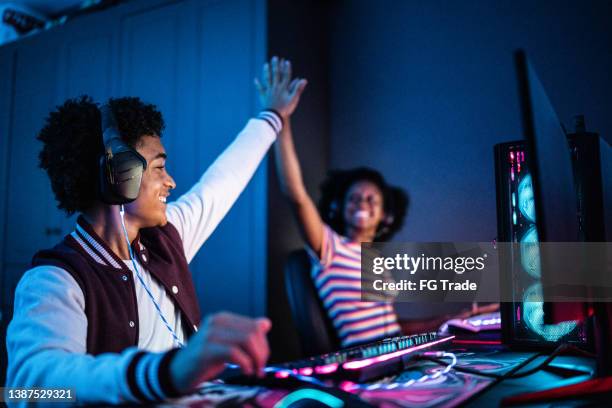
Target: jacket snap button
x=174 y=289
x=125 y=278
x=132 y=324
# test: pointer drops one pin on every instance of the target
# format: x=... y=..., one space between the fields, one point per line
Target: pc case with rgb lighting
x=523 y=320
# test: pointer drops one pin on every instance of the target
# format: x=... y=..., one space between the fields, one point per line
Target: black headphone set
x=121 y=166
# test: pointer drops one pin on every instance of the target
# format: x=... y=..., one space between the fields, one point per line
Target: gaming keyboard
x=474 y=324
x=360 y=363
x=369 y=361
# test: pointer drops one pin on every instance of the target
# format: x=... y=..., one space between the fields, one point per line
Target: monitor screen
x=554 y=194
x=550 y=159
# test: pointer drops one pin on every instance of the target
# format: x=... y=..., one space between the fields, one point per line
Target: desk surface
x=448 y=390
x=563 y=370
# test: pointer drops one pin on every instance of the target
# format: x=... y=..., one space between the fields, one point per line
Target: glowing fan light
x=533 y=313
x=525 y=198
x=530 y=253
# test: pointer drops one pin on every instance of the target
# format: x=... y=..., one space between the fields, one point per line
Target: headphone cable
x=161 y=315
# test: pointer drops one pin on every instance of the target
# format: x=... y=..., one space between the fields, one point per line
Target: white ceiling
x=46 y=7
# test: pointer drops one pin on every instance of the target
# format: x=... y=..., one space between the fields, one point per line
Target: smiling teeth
x=362 y=214
x=162 y=199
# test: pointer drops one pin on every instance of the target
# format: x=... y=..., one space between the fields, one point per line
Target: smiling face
x=149 y=209
x=363 y=207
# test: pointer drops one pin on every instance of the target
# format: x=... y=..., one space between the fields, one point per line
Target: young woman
x=356 y=206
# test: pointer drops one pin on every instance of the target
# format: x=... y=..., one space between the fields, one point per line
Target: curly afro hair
x=335 y=187
x=72 y=145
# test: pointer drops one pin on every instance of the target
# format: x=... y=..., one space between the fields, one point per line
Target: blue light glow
x=530 y=253
x=525 y=198
x=533 y=313
x=312 y=394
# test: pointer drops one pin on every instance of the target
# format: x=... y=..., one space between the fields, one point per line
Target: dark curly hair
x=72 y=145
x=333 y=193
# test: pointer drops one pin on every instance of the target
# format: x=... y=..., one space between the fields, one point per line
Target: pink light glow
x=306 y=371
x=355 y=365
x=477 y=342
x=347 y=385
x=281 y=374
x=326 y=369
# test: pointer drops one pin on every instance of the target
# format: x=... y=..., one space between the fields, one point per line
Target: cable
x=457 y=368
x=558 y=351
x=423 y=378
x=176 y=339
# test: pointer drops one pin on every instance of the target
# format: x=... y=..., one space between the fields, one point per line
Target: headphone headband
x=109 y=126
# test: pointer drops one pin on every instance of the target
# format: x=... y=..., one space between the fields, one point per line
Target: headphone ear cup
x=121 y=175
x=121 y=167
x=385 y=225
x=127 y=168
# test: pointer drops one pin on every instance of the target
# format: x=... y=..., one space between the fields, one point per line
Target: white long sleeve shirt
x=46 y=340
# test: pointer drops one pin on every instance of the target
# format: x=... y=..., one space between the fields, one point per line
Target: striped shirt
x=337 y=277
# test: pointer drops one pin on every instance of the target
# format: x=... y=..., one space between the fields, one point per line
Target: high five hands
x=277 y=91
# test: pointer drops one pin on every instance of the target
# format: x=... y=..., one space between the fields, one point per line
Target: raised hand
x=277 y=90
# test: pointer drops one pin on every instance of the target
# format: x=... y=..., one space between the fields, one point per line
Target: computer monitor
x=549 y=159
x=570 y=199
x=550 y=163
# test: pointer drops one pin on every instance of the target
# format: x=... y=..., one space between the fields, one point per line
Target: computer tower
x=524 y=321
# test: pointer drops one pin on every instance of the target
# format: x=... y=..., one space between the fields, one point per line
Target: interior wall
x=297 y=31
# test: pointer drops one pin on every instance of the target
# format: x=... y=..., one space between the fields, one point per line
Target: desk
x=449 y=390
x=564 y=370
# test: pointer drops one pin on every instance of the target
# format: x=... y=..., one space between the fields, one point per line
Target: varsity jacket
x=108 y=286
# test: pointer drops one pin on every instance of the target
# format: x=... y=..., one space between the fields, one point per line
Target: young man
x=108 y=320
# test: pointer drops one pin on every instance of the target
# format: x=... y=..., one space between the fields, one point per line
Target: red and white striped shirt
x=337 y=277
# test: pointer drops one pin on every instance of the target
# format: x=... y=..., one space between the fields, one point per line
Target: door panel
x=31 y=212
